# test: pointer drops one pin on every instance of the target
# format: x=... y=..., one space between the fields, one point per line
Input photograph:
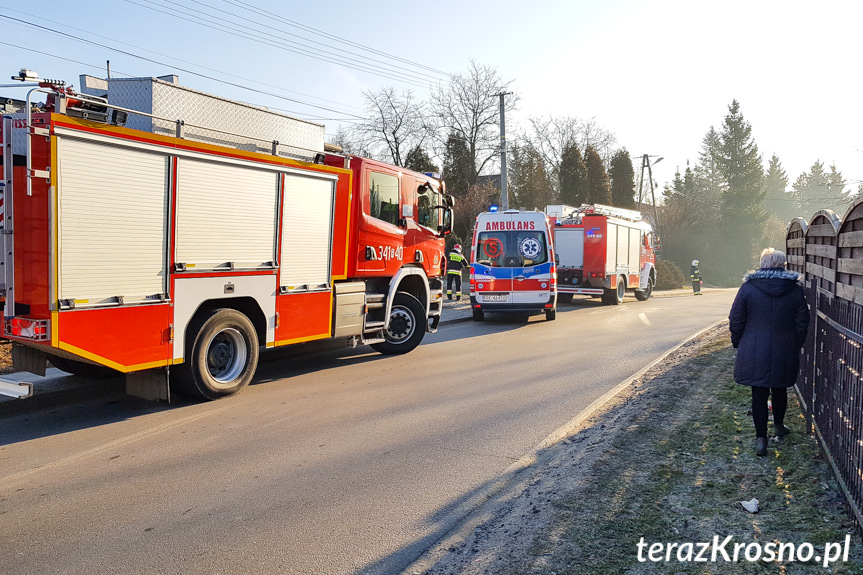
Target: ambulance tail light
x=32 y=329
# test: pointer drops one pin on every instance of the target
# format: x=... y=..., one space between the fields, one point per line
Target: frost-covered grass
x=678 y=473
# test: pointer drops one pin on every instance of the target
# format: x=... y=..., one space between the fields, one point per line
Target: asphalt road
x=334 y=461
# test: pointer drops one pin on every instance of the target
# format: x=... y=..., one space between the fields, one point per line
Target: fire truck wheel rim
x=402 y=324
x=226 y=357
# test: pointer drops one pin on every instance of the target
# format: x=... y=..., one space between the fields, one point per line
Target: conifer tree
x=709 y=179
x=573 y=176
x=418 y=160
x=622 y=177
x=819 y=189
x=777 y=201
x=458 y=168
x=742 y=215
x=598 y=187
x=530 y=187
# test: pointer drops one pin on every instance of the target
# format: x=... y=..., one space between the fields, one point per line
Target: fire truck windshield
x=511 y=249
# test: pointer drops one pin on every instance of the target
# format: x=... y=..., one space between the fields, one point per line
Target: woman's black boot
x=761 y=446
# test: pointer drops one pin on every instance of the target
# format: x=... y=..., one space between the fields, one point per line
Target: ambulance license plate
x=495 y=297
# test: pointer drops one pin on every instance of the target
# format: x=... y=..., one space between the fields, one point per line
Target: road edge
x=515 y=477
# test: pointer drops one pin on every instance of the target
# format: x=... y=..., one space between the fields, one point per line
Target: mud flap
x=149 y=384
x=434 y=321
x=26 y=358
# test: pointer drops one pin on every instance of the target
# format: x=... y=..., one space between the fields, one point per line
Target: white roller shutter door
x=569 y=244
x=622 y=246
x=307 y=223
x=225 y=214
x=611 y=248
x=634 y=250
x=112 y=222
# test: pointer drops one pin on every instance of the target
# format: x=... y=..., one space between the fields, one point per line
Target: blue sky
x=656 y=74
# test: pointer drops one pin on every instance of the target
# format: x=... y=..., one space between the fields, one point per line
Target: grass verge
x=678 y=472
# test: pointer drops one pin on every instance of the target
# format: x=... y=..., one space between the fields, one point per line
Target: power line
x=333 y=37
x=208 y=77
x=55 y=56
x=258 y=82
x=318 y=32
x=256 y=36
x=673 y=192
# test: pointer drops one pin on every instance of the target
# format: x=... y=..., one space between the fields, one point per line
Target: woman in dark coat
x=769 y=320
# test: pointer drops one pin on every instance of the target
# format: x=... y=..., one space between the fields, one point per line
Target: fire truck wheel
x=564 y=297
x=82 y=369
x=614 y=296
x=645 y=295
x=222 y=356
x=478 y=315
x=407 y=326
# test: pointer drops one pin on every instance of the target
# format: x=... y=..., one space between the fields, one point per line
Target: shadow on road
x=457 y=515
x=70 y=403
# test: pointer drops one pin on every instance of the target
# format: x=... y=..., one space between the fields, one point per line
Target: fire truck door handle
x=520 y=278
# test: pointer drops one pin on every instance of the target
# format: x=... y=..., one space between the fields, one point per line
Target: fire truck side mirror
x=446 y=228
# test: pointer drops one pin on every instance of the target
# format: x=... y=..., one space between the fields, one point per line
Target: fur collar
x=772 y=273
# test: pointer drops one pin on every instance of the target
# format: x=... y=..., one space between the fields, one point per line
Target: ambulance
x=513 y=264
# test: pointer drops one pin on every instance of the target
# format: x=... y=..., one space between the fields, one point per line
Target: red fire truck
x=174 y=251
x=603 y=251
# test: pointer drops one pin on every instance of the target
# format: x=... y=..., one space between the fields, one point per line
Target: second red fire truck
x=603 y=251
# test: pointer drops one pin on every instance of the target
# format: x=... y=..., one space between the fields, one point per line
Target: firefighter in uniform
x=455 y=263
x=695 y=276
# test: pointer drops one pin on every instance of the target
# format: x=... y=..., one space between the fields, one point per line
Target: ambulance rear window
x=511 y=249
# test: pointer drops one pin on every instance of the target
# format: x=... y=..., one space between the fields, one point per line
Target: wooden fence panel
x=795 y=251
x=821 y=242
x=795 y=245
x=849 y=279
x=830 y=383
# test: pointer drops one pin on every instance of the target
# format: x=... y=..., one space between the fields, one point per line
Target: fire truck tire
x=222 y=355
x=478 y=315
x=644 y=295
x=614 y=296
x=82 y=369
x=406 y=328
x=564 y=297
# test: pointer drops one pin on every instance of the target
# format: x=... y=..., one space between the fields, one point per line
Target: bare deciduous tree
x=345 y=139
x=468 y=109
x=551 y=136
x=477 y=200
x=395 y=125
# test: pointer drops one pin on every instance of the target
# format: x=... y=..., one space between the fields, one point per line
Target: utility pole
x=504 y=194
x=646 y=163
